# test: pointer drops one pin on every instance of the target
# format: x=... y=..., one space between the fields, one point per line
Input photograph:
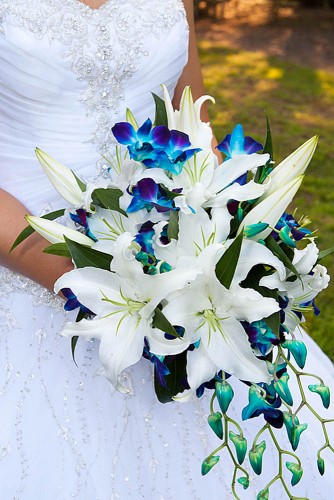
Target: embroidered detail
x=104 y=46
x=10 y=282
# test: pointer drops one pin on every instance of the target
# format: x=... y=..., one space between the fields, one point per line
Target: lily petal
x=54 y=232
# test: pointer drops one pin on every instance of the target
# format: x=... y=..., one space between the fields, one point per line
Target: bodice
x=68 y=73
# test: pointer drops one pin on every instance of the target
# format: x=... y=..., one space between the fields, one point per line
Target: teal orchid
x=263 y=495
x=215 y=422
x=296 y=471
x=321 y=466
x=298 y=350
x=323 y=391
x=258 y=405
x=256 y=457
x=224 y=394
x=282 y=389
x=244 y=481
x=208 y=463
x=294 y=428
x=240 y=444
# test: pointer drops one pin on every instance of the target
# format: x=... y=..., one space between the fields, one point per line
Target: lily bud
x=54 y=232
x=293 y=166
x=62 y=178
x=271 y=208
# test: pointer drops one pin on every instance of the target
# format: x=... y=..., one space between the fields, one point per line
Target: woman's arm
x=27 y=258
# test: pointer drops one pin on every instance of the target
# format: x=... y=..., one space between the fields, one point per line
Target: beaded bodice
x=68 y=73
x=104 y=47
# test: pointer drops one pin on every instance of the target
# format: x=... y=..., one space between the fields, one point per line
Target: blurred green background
x=249 y=75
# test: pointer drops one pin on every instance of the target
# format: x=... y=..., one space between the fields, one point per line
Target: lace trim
x=13 y=282
x=104 y=46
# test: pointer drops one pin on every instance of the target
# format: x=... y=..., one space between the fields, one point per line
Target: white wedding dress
x=67 y=73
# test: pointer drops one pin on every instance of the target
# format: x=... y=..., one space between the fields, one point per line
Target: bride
x=69 y=69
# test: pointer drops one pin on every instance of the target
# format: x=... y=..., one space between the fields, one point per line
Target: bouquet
x=196 y=266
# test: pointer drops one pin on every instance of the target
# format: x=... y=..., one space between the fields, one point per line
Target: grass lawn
x=299 y=102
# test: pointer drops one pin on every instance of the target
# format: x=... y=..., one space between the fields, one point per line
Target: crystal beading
x=104 y=46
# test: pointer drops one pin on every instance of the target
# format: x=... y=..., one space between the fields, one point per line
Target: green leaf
x=268 y=146
x=74 y=341
x=88 y=257
x=160 y=111
x=277 y=250
x=81 y=184
x=173 y=225
x=225 y=267
x=58 y=249
x=274 y=322
x=108 y=198
x=29 y=230
x=177 y=366
x=324 y=253
x=160 y=321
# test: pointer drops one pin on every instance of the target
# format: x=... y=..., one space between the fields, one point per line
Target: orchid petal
x=124 y=133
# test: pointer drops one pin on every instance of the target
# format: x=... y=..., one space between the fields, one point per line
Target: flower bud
x=323 y=391
x=256 y=457
x=296 y=470
x=208 y=463
x=240 y=444
x=215 y=422
x=224 y=395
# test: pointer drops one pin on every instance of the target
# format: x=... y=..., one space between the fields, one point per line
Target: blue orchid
x=144 y=238
x=160 y=369
x=289 y=230
x=260 y=336
x=155 y=147
x=146 y=194
x=144 y=143
x=174 y=155
x=72 y=302
x=258 y=405
x=81 y=218
x=237 y=144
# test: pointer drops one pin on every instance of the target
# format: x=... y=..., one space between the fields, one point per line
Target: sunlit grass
x=299 y=102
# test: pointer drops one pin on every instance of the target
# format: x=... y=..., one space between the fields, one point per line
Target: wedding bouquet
x=197 y=266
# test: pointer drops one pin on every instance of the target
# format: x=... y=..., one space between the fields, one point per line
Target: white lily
x=272 y=207
x=313 y=279
x=54 y=232
x=292 y=167
x=62 y=178
x=124 y=302
x=212 y=314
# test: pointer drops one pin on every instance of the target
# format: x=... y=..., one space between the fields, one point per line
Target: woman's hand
x=27 y=258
